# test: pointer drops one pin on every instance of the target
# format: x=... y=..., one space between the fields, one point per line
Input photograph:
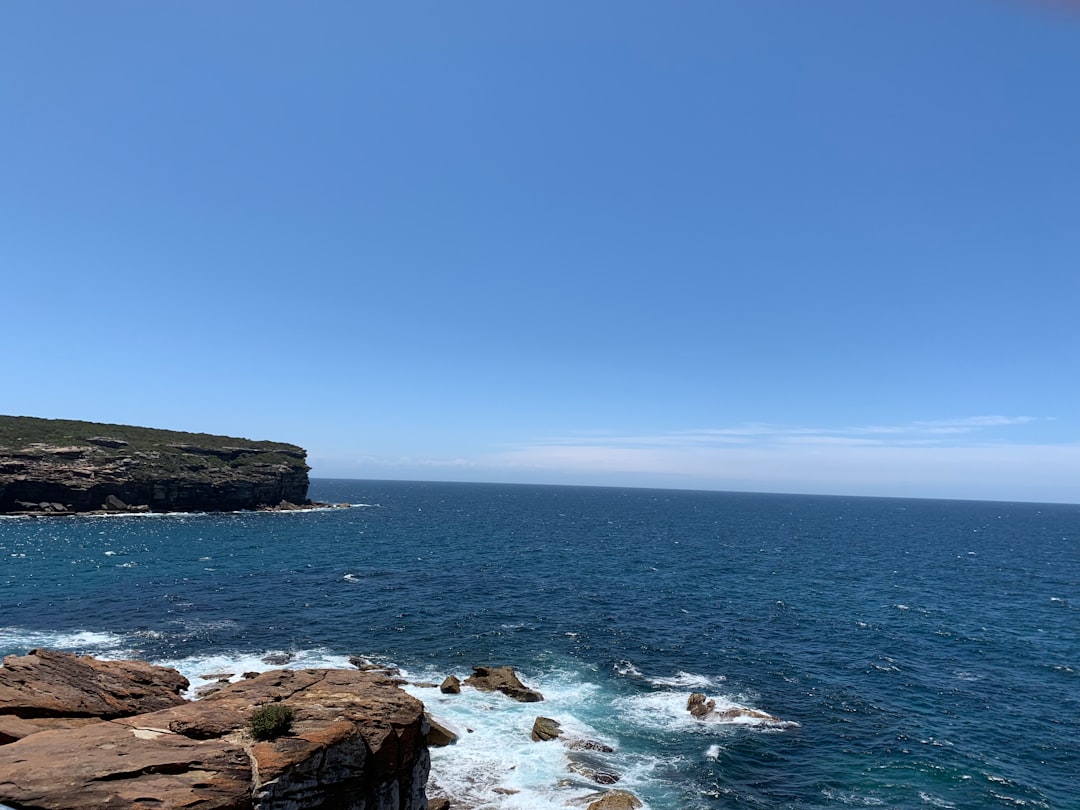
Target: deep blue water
x=922 y=653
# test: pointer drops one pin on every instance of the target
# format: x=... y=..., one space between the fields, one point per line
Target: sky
x=827 y=247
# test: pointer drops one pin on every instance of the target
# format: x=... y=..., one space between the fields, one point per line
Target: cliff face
x=56 y=466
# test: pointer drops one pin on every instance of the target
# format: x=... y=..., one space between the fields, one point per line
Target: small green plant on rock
x=270 y=721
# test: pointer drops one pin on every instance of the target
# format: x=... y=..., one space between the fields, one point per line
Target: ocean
x=914 y=653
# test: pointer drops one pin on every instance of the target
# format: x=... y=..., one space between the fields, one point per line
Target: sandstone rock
x=698 y=706
x=616 y=800
x=440 y=803
x=544 y=728
x=356 y=741
x=46 y=683
x=450 y=685
x=502 y=679
x=112 y=502
x=439 y=735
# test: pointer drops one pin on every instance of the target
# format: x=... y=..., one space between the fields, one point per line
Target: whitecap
x=235 y=664
x=686 y=680
x=627 y=669
x=666 y=711
x=17 y=638
x=934 y=801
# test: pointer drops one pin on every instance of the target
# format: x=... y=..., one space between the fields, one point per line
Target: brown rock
x=616 y=800
x=356 y=740
x=502 y=679
x=544 y=728
x=698 y=706
x=439 y=735
x=450 y=685
x=46 y=683
x=440 y=803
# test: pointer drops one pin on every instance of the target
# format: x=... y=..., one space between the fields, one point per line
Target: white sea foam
x=495 y=764
x=666 y=712
x=72 y=641
x=198 y=668
x=853 y=799
x=627 y=669
x=686 y=680
x=934 y=801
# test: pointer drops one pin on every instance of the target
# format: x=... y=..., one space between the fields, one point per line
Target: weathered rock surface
x=46 y=683
x=53 y=466
x=616 y=800
x=544 y=728
x=356 y=743
x=502 y=679
x=439 y=735
x=450 y=685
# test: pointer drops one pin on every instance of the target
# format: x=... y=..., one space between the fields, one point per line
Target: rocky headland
x=56 y=466
x=81 y=733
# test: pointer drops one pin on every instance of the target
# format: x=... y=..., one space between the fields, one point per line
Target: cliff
x=355 y=741
x=58 y=466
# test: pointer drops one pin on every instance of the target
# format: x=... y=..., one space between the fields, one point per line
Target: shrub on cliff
x=270 y=721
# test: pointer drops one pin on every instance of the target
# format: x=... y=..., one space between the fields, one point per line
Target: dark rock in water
x=502 y=679
x=593 y=769
x=544 y=728
x=450 y=685
x=589 y=745
x=46 y=683
x=616 y=800
x=277 y=659
x=438 y=734
x=50 y=463
x=356 y=741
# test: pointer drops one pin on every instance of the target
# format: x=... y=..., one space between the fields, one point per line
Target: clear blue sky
x=825 y=247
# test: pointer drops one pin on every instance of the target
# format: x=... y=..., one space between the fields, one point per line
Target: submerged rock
x=502 y=679
x=592 y=769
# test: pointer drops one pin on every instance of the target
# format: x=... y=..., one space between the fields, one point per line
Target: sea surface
x=914 y=653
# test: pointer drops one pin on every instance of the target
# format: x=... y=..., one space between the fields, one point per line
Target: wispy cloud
x=989 y=457
x=759 y=433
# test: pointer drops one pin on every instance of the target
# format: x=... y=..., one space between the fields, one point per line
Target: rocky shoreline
x=79 y=732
